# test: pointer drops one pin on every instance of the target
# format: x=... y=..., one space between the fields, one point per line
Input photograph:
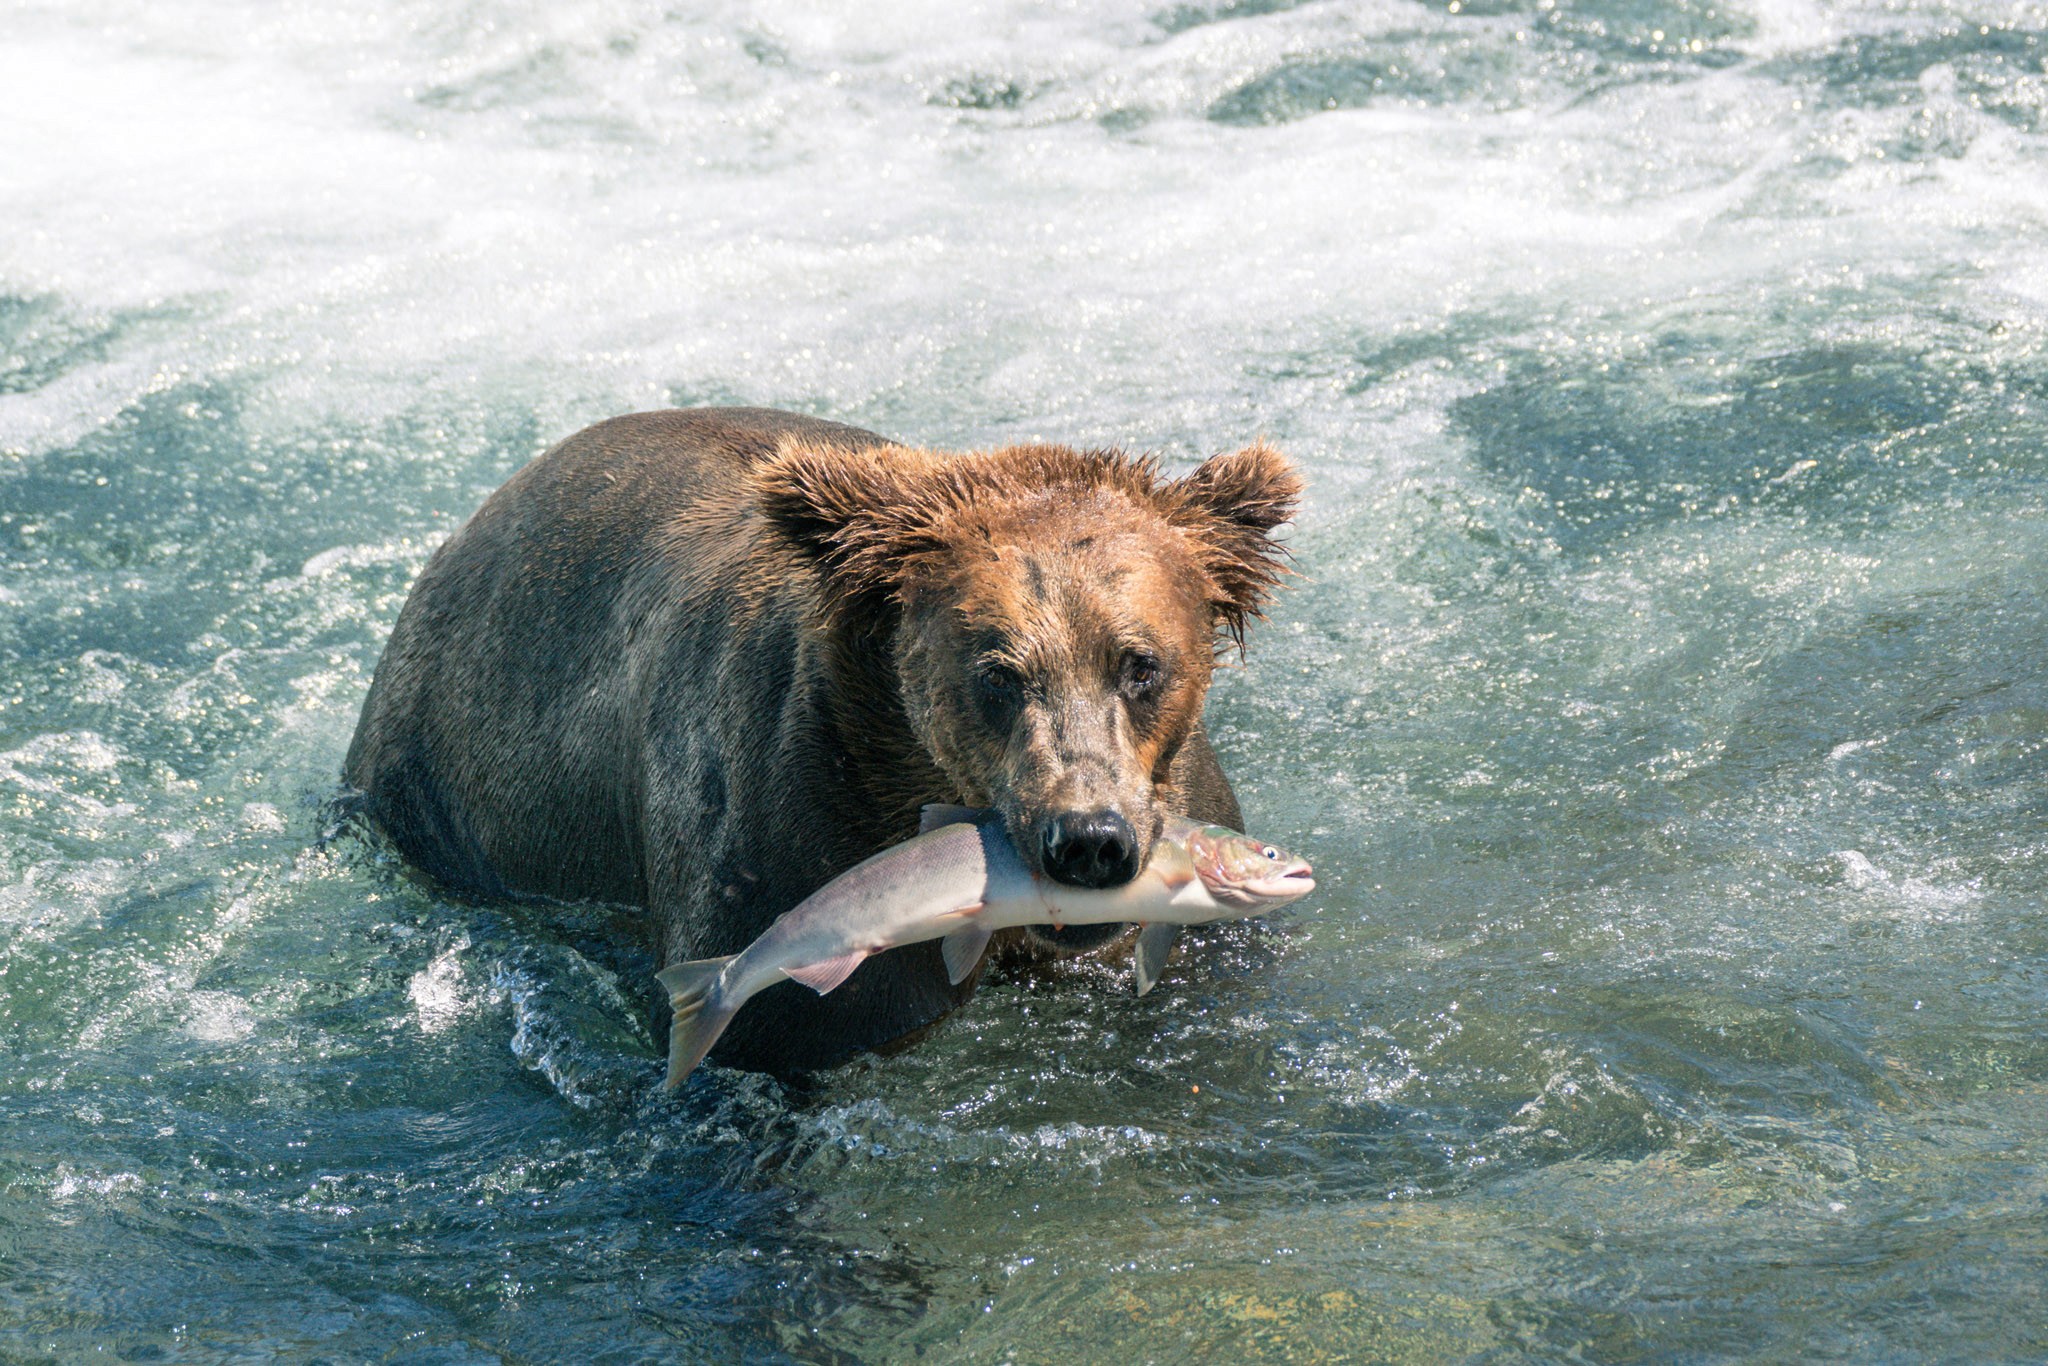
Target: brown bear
x=702 y=661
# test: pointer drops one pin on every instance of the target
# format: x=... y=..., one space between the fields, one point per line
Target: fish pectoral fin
x=822 y=977
x=937 y=814
x=962 y=950
x=1155 y=942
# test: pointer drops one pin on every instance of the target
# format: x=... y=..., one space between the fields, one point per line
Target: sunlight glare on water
x=1661 y=699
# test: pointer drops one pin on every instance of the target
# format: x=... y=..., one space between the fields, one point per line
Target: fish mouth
x=1286 y=887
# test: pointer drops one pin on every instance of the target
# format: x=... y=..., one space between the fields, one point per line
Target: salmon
x=959 y=881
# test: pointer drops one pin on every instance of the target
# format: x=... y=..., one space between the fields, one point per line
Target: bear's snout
x=1089 y=849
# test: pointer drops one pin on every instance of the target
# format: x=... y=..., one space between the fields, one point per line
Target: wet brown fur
x=702 y=661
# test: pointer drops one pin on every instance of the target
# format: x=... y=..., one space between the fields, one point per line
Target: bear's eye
x=1140 y=674
x=998 y=683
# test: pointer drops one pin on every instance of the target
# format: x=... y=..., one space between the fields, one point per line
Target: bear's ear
x=865 y=517
x=1229 y=507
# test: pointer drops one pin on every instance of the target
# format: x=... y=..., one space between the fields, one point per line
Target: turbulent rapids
x=1662 y=703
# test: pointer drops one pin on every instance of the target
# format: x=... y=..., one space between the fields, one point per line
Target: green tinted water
x=1662 y=701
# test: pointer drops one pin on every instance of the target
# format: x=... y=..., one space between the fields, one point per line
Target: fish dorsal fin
x=1155 y=942
x=962 y=950
x=822 y=977
x=937 y=814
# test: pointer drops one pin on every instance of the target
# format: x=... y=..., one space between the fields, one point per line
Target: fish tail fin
x=699 y=1017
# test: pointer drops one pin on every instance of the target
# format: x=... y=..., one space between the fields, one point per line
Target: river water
x=1662 y=698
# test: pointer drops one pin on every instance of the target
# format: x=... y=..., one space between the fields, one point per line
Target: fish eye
x=1270 y=852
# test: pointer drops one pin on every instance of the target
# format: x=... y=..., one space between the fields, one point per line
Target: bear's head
x=1054 y=616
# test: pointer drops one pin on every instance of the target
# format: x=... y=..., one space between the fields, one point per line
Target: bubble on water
x=160 y=981
x=1909 y=898
x=399 y=550
x=69 y=1183
x=261 y=818
x=871 y=1131
x=572 y=1024
x=439 y=991
x=56 y=893
x=102 y=684
x=218 y=1017
x=77 y=751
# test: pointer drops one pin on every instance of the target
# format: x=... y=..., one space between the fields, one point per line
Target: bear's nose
x=1090 y=849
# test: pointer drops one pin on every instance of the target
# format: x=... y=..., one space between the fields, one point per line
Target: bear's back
x=499 y=744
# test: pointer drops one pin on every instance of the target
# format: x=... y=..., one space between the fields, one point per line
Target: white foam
x=596 y=205
x=160 y=984
x=60 y=771
x=262 y=818
x=69 y=1183
x=1903 y=897
x=54 y=894
x=871 y=1130
x=84 y=751
x=399 y=550
x=440 y=992
x=218 y=1017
